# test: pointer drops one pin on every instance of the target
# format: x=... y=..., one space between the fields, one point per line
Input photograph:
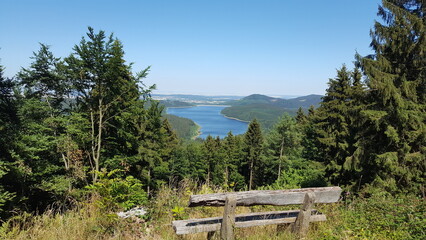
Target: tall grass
x=376 y=217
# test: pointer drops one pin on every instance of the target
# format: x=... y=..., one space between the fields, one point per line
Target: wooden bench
x=300 y=218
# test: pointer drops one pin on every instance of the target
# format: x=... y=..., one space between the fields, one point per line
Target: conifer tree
x=301 y=117
x=210 y=151
x=332 y=125
x=283 y=144
x=105 y=92
x=310 y=150
x=8 y=127
x=392 y=148
x=253 y=140
x=43 y=80
x=41 y=125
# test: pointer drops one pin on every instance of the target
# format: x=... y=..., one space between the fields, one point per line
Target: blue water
x=211 y=121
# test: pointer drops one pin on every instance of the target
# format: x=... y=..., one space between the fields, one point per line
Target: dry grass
x=88 y=222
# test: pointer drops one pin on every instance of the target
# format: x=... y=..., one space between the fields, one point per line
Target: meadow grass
x=376 y=217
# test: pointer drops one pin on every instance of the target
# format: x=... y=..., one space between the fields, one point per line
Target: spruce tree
x=8 y=131
x=332 y=126
x=253 y=140
x=392 y=147
x=210 y=150
x=43 y=79
x=301 y=117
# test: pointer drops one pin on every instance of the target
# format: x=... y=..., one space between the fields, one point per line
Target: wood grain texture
x=228 y=222
x=268 y=197
x=301 y=225
x=242 y=221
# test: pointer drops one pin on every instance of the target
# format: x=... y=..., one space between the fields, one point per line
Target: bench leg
x=228 y=220
x=301 y=225
x=283 y=227
x=210 y=235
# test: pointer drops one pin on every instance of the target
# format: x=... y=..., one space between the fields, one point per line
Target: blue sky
x=220 y=47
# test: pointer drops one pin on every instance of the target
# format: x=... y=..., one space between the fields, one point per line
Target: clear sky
x=211 y=47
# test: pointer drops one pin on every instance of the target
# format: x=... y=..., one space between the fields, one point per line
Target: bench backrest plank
x=268 y=197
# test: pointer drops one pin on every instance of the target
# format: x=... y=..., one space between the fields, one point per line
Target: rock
x=137 y=211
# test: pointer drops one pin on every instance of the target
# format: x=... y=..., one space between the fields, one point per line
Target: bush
x=118 y=193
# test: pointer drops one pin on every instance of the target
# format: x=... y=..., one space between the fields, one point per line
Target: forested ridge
x=85 y=127
x=267 y=110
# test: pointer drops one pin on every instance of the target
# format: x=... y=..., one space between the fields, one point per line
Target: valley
x=267 y=110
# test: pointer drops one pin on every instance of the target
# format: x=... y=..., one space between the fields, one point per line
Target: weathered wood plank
x=242 y=221
x=268 y=197
x=301 y=225
x=228 y=223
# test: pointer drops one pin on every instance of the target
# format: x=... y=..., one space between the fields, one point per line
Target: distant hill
x=267 y=109
x=174 y=103
x=195 y=99
x=304 y=101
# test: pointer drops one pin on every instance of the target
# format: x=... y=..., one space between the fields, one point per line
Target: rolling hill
x=267 y=109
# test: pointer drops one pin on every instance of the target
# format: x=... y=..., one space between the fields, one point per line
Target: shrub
x=118 y=193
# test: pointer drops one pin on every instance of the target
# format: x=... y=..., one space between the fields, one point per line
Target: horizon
x=203 y=48
x=283 y=96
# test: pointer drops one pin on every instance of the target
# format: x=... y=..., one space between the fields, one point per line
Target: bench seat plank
x=242 y=221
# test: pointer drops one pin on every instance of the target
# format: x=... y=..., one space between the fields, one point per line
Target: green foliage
x=253 y=150
x=282 y=145
x=185 y=128
x=335 y=127
x=267 y=114
x=400 y=217
x=267 y=110
x=62 y=118
x=8 y=127
x=5 y=196
x=43 y=79
x=118 y=193
x=178 y=213
x=389 y=147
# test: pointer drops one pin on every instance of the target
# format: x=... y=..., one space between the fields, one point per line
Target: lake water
x=211 y=121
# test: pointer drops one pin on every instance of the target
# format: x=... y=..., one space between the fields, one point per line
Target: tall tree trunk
x=251 y=174
x=97 y=139
x=226 y=174
x=148 y=189
x=280 y=159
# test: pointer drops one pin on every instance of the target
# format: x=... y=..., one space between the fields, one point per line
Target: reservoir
x=211 y=121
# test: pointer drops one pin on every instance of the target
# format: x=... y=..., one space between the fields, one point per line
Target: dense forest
x=86 y=125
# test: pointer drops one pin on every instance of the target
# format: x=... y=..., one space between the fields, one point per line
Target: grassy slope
x=378 y=217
